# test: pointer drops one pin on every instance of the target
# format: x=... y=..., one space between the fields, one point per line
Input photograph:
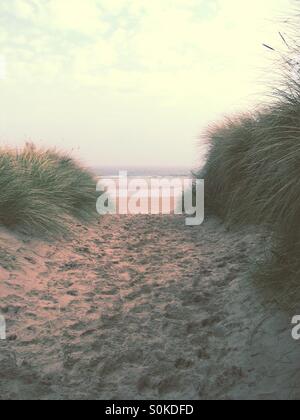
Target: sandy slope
x=142 y=307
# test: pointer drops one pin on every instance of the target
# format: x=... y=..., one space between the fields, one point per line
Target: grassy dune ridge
x=252 y=171
x=42 y=191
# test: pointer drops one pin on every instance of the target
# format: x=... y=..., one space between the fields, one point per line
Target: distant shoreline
x=110 y=171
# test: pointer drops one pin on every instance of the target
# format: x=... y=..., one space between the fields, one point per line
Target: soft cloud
x=25 y=9
x=77 y=15
x=143 y=36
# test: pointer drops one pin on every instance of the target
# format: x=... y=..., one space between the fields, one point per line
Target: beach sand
x=142 y=307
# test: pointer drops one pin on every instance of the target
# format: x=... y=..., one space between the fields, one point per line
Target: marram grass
x=252 y=174
x=43 y=191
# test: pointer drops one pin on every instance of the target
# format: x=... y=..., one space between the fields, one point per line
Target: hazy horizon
x=130 y=83
x=143 y=170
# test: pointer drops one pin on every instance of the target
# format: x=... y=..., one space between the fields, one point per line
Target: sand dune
x=142 y=307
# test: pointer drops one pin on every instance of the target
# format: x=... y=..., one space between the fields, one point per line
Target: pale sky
x=130 y=82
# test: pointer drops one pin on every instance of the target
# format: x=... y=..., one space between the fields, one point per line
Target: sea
x=164 y=201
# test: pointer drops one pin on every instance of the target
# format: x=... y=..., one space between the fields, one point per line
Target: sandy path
x=142 y=307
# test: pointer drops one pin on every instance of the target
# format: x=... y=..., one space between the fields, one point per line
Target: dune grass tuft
x=252 y=173
x=42 y=191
